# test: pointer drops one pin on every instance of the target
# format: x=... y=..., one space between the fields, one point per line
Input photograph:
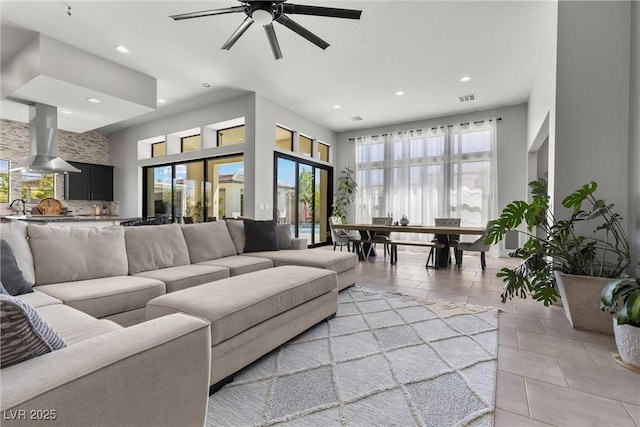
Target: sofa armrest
x=152 y=374
x=299 y=243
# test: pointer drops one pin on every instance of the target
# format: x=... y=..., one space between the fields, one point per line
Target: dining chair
x=187 y=219
x=454 y=239
x=382 y=236
x=476 y=246
x=340 y=236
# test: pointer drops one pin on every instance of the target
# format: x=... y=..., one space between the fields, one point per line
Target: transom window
x=284 y=139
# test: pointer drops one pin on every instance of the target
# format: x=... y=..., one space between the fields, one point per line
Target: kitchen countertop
x=67 y=218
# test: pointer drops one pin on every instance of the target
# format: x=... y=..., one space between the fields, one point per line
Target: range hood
x=43 y=143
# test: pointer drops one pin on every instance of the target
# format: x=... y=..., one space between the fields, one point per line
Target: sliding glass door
x=302 y=197
x=195 y=191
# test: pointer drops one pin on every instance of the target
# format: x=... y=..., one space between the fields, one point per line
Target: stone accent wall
x=88 y=147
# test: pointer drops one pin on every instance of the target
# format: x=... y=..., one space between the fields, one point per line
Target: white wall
x=512 y=146
x=634 y=139
x=592 y=101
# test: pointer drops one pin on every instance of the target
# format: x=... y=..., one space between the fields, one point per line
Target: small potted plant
x=558 y=260
x=621 y=297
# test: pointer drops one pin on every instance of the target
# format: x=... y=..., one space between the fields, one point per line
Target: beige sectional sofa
x=96 y=287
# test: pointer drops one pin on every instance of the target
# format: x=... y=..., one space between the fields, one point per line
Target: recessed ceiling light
x=161 y=101
x=399 y=93
x=465 y=79
x=122 y=49
x=205 y=84
x=337 y=106
x=65 y=111
x=93 y=100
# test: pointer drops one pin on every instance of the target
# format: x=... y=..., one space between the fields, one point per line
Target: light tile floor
x=548 y=372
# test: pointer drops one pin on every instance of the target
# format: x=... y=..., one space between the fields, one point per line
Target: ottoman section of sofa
x=238 y=303
x=238 y=265
x=343 y=263
x=186 y=276
x=108 y=296
x=254 y=313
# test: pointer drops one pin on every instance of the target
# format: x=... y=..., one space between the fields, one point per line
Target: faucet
x=17 y=202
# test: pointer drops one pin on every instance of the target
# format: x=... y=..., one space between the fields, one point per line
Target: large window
x=195 y=191
x=36 y=187
x=438 y=172
x=4 y=181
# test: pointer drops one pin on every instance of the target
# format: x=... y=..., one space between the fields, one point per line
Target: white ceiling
x=421 y=48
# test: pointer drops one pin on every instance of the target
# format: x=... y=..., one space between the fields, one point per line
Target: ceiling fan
x=265 y=12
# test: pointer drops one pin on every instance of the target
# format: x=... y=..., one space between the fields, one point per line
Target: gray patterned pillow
x=284 y=236
x=23 y=333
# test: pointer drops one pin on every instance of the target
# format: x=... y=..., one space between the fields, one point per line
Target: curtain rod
x=435 y=127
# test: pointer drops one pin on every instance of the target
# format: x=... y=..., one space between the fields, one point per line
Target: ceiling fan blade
x=299 y=29
x=207 y=13
x=273 y=41
x=237 y=33
x=330 y=12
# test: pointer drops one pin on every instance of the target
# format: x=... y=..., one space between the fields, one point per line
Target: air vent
x=467 y=98
x=355 y=119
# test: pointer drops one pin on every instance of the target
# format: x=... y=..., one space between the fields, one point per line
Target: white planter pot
x=581 y=302
x=628 y=343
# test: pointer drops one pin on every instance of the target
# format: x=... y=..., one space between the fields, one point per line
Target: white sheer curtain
x=446 y=171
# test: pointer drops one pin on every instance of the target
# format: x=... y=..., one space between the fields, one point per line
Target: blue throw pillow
x=23 y=333
x=10 y=274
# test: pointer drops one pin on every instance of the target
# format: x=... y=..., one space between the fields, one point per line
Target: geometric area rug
x=385 y=359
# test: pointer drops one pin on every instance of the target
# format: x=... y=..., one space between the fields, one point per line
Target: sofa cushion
x=260 y=235
x=236 y=229
x=319 y=258
x=186 y=276
x=155 y=246
x=208 y=240
x=238 y=303
x=15 y=233
x=106 y=296
x=12 y=279
x=23 y=333
x=284 y=236
x=37 y=299
x=73 y=325
x=67 y=254
x=244 y=264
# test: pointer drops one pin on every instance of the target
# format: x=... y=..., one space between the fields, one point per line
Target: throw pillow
x=236 y=229
x=260 y=235
x=10 y=274
x=3 y=291
x=284 y=236
x=23 y=333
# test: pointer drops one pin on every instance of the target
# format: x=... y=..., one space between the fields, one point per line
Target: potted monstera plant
x=558 y=259
x=621 y=297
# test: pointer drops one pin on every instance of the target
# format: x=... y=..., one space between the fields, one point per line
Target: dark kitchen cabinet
x=94 y=182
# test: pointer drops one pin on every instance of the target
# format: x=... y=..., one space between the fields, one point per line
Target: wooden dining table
x=441 y=233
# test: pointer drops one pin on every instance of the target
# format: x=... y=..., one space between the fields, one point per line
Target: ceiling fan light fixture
x=262 y=16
